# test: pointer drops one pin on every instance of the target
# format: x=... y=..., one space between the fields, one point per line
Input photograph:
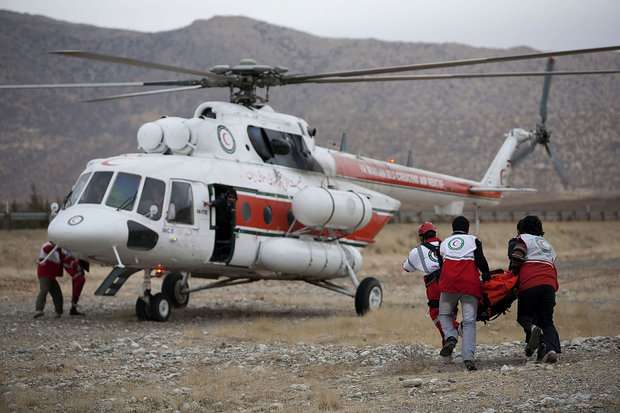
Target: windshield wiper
x=64 y=201
x=127 y=201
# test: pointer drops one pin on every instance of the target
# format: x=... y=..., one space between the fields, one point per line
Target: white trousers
x=469 y=306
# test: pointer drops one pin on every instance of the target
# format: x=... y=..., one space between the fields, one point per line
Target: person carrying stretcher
x=532 y=258
x=425 y=258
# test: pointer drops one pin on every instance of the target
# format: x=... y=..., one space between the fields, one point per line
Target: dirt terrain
x=291 y=347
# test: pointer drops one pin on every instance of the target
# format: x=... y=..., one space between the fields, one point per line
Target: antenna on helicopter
x=541 y=135
x=343 y=142
x=409 y=158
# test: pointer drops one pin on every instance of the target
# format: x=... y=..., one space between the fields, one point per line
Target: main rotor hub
x=245 y=77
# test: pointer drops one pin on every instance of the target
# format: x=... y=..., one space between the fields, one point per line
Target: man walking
x=425 y=258
x=532 y=258
x=463 y=262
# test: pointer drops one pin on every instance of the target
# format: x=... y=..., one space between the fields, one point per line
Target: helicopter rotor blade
x=545 y=92
x=450 y=63
x=557 y=163
x=519 y=156
x=202 y=82
x=445 y=76
x=134 y=62
x=150 y=92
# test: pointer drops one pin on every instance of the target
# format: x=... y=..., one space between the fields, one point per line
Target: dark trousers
x=536 y=308
x=49 y=285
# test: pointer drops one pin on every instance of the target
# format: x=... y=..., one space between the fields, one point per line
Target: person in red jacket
x=532 y=258
x=52 y=262
x=76 y=268
x=463 y=262
x=425 y=258
x=47 y=272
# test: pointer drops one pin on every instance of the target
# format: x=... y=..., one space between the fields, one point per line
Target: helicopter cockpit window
x=271 y=147
x=124 y=191
x=260 y=142
x=152 y=198
x=75 y=192
x=96 y=188
x=181 y=208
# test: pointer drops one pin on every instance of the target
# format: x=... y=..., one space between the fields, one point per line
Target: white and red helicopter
x=240 y=193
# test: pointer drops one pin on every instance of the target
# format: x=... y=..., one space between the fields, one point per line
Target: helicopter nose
x=88 y=230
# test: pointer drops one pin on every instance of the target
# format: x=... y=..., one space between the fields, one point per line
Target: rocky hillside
x=455 y=126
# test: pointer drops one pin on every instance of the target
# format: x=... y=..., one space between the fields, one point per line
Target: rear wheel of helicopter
x=160 y=307
x=173 y=288
x=369 y=296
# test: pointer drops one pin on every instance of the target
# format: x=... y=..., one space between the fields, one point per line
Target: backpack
x=498 y=294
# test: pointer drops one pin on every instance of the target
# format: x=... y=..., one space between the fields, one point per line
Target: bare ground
x=272 y=346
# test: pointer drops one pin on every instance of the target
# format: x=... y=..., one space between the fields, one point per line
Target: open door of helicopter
x=187 y=222
x=222 y=220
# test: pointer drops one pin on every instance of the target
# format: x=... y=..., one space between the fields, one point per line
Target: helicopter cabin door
x=187 y=222
x=222 y=221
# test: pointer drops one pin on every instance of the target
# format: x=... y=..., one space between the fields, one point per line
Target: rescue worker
x=47 y=272
x=425 y=258
x=463 y=262
x=532 y=258
x=76 y=269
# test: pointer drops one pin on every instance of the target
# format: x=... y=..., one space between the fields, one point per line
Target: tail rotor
x=541 y=135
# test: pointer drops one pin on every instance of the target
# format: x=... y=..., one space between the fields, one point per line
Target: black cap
x=460 y=223
x=530 y=224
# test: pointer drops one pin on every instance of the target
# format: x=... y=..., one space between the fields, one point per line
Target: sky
x=542 y=24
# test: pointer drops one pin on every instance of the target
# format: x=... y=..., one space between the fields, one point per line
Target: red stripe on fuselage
x=384 y=173
x=279 y=218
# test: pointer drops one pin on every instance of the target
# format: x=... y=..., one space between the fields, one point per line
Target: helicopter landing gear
x=175 y=287
x=368 y=296
x=158 y=307
x=143 y=310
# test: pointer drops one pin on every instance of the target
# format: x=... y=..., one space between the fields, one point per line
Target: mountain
x=47 y=136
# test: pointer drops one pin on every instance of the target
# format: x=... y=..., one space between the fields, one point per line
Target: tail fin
x=499 y=171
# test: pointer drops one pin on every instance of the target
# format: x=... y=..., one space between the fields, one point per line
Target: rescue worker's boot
x=550 y=357
x=74 y=311
x=534 y=341
x=448 y=348
x=470 y=365
x=38 y=314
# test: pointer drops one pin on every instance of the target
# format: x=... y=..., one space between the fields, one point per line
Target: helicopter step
x=115 y=280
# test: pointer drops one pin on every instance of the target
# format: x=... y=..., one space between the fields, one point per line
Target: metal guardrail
x=515 y=215
x=15 y=220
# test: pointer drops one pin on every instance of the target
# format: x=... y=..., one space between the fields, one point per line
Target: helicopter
x=239 y=193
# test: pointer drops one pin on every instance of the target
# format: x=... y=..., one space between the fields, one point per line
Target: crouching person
x=50 y=266
x=532 y=258
x=425 y=258
x=463 y=261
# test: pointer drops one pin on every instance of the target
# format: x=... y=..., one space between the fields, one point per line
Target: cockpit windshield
x=124 y=191
x=282 y=148
x=152 y=198
x=75 y=192
x=96 y=188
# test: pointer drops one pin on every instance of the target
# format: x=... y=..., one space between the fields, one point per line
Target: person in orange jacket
x=425 y=258
x=532 y=258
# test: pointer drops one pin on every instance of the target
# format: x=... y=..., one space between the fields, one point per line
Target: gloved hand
x=486 y=276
